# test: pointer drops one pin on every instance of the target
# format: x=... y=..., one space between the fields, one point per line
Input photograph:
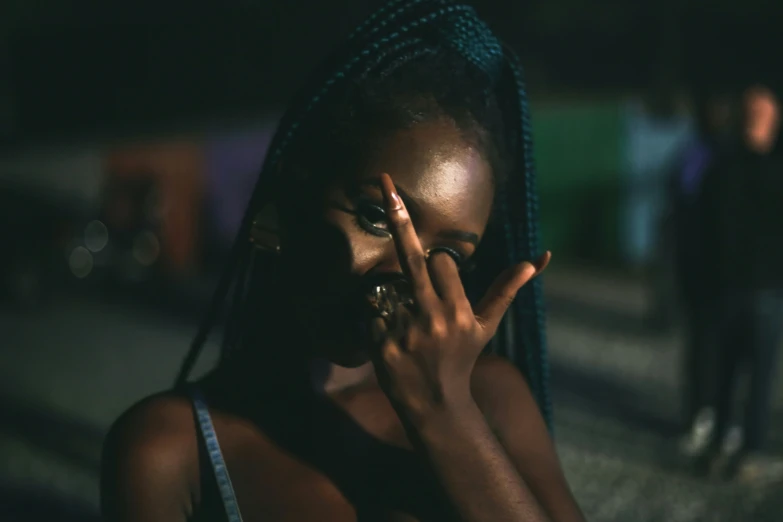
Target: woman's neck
x=330 y=379
x=277 y=391
x=275 y=361
x=325 y=377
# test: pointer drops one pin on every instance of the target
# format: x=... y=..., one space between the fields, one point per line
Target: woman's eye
x=453 y=254
x=464 y=264
x=372 y=217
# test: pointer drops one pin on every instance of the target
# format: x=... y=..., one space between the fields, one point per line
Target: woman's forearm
x=473 y=469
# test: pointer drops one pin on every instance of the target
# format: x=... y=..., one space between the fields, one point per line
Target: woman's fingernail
x=396 y=202
x=543 y=261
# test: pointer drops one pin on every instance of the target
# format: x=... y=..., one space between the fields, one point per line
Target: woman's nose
x=388 y=261
x=381 y=258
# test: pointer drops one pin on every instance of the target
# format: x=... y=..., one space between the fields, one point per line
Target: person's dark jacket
x=741 y=217
x=683 y=227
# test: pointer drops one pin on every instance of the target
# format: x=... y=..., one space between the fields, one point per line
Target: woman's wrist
x=455 y=414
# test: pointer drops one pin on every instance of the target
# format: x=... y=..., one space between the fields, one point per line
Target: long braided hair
x=401 y=33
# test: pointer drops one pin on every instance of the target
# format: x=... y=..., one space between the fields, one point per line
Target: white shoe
x=732 y=441
x=698 y=439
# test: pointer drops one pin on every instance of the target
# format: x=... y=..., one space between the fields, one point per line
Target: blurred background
x=130 y=138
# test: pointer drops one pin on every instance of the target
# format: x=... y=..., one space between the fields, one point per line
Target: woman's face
x=335 y=250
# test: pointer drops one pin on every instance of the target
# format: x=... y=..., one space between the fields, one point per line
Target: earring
x=263 y=237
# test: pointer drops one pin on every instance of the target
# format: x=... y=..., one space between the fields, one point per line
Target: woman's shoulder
x=492 y=371
x=159 y=422
x=150 y=456
x=500 y=390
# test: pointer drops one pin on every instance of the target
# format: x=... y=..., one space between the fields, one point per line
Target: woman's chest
x=353 y=464
x=309 y=495
x=380 y=484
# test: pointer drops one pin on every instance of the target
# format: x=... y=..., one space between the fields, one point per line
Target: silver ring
x=386 y=299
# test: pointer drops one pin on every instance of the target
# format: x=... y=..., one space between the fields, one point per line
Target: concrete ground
x=68 y=369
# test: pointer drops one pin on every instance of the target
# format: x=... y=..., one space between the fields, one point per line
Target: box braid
x=402 y=33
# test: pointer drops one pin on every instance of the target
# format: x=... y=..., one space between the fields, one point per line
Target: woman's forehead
x=435 y=166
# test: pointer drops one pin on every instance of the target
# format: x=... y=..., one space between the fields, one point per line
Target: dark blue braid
x=361 y=28
x=401 y=31
x=408 y=9
x=527 y=234
x=342 y=73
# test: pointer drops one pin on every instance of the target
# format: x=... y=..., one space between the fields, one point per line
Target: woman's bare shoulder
x=161 y=423
x=164 y=412
x=150 y=460
x=496 y=380
x=504 y=397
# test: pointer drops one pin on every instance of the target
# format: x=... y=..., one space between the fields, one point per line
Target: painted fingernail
x=391 y=191
x=396 y=202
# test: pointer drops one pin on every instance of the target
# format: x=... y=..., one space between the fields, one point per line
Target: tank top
x=415 y=495
x=218 y=464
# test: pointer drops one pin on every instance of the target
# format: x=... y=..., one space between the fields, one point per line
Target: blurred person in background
x=351 y=384
x=742 y=226
x=657 y=129
x=713 y=128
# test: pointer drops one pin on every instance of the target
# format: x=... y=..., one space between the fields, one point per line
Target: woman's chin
x=349 y=358
x=347 y=345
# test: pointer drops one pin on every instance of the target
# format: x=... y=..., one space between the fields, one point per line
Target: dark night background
x=149 y=104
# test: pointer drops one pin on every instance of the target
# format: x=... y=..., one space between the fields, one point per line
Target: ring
x=386 y=299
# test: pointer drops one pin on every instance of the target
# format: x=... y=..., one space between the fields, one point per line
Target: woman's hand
x=424 y=359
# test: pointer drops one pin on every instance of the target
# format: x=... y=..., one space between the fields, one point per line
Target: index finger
x=412 y=257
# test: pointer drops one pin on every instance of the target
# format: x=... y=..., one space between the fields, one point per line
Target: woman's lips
x=357 y=304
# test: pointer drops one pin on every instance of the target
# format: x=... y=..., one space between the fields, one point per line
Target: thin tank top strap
x=215 y=456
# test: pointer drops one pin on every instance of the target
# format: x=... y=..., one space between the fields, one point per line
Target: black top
x=374 y=476
x=741 y=209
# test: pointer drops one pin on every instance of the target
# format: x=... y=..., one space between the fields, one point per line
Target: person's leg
x=700 y=356
x=767 y=329
x=666 y=305
x=729 y=440
x=728 y=358
x=765 y=312
x=705 y=352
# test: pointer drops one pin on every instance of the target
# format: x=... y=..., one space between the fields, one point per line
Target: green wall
x=578 y=148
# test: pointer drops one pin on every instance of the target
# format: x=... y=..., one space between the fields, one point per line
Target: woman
x=351 y=385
